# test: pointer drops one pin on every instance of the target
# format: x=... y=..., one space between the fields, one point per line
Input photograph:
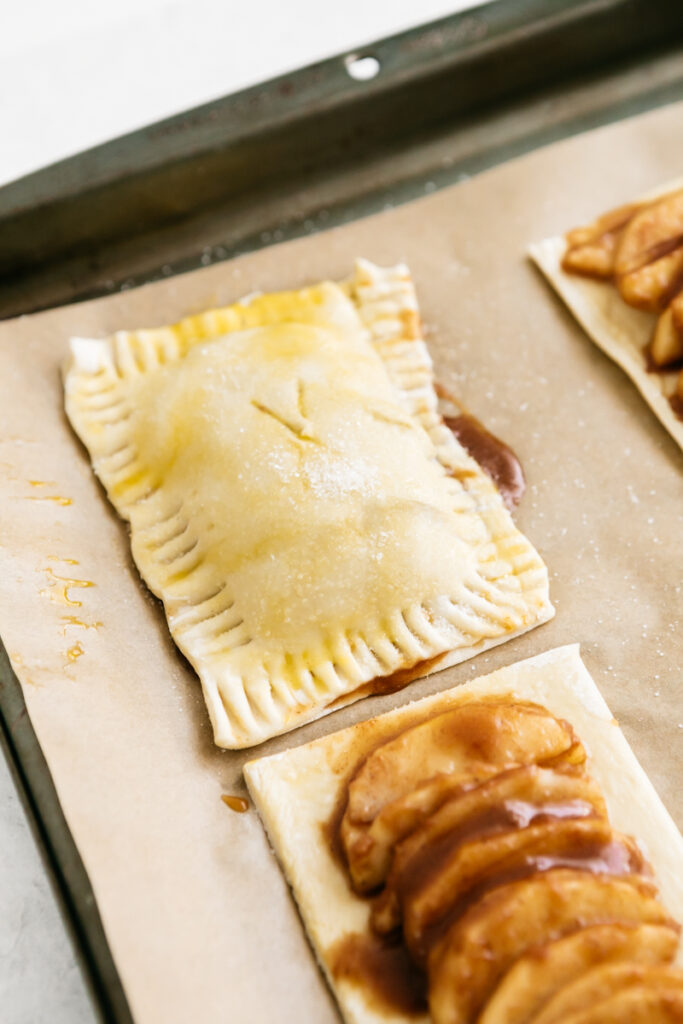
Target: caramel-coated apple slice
x=482 y=945
x=492 y=733
x=583 y=844
x=371 y=854
x=651 y=286
x=602 y=982
x=591 y=249
x=666 y=346
x=637 y=1005
x=649 y=259
x=655 y=230
x=537 y=975
x=512 y=799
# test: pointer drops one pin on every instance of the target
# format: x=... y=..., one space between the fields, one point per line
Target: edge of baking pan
x=64 y=858
x=318 y=116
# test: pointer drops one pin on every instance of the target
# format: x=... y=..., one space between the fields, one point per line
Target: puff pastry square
x=296 y=501
x=621 y=331
x=297 y=794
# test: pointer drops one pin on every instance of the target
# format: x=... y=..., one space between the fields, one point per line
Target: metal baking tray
x=293 y=156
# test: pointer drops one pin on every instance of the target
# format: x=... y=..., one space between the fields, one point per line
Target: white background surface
x=77 y=72
x=74 y=73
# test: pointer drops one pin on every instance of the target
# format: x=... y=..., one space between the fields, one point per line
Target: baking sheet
x=199 y=920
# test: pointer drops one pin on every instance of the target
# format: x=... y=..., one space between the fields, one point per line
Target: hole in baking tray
x=362 y=68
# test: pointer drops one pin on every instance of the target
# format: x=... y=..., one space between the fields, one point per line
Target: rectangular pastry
x=622 y=278
x=483 y=855
x=314 y=530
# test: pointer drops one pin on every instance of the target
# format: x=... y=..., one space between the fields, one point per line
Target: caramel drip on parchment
x=57 y=498
x=58 y=589
x=235 y=803
x=75 y=652
x=73 y=620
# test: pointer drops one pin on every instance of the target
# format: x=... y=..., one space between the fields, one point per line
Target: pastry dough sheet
x=621 y=331
x=118 y=712
x=297 y=791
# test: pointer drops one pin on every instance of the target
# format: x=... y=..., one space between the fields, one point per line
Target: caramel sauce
x=59 y=586
x=495 y=457
x=384 y=969
x=510 y=814
x=73 y=620
x=75 y=652
x=676 y=403
x=236 y=803
x=381 y=685
x=611 y=859
x=50 y=497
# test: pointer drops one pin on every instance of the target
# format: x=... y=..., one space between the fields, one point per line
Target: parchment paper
x=199 y=919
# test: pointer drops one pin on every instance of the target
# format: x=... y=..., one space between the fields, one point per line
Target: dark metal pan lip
x=417 y=55
x=315 y=117
x=60 y=848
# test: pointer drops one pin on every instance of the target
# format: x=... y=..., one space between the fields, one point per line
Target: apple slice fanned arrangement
x=506 y=850
x=622 y=278
x=471 y=873
x=640 y=248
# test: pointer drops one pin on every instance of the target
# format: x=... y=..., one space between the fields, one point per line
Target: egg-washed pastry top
x=296 y=501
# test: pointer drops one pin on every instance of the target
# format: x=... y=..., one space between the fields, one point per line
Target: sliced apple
x=602 y=982
x=537 y=975
x=485 y=862
x=652 y=286
x=635 y=1006
x=677 y=312
x=489 y=732
x=649 y=259
x=474 y=954
x=511 y=799
x=534 y=979
x=654 y=230
x=666 y=346
x=591 y=249
x=370 y=856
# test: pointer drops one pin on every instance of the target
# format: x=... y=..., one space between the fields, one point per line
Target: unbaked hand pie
x=622 y=278
x=470 y=858
x=314 y=530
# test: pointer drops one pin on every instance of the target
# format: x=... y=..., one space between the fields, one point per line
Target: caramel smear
x=73 y=620
x=59 y=586
x=57 y=498
x=75 y=652
x=495 y=457
x=236 y=803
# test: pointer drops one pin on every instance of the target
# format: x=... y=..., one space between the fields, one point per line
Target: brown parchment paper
x=198 y=916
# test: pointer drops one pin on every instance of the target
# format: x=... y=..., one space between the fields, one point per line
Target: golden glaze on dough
x=296 y=501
